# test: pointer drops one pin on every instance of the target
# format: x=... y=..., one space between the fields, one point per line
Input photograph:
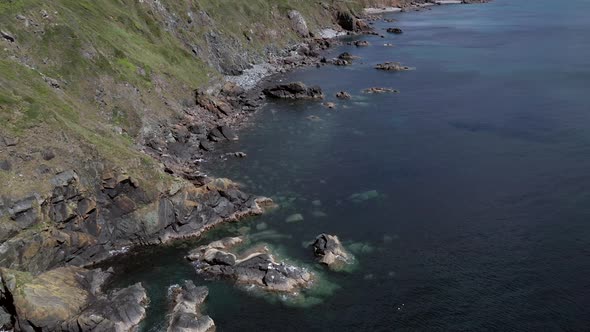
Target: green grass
x=85 y=44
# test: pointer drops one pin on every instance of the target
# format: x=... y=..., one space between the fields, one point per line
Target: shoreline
x=247 y=104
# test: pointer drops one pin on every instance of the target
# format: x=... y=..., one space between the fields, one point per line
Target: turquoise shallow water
x=481 y=168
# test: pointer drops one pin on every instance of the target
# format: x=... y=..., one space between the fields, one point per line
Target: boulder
x=329 y=251
x=296 y=90
x=186 y=313
x=255 y=267
x=391 y=66
x=299 y=23
x=47 y=154
x=228 y=133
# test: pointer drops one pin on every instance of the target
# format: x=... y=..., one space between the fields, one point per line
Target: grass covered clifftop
x=82 y=81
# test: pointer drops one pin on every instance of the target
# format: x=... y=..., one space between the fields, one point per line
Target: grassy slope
x=136 y=52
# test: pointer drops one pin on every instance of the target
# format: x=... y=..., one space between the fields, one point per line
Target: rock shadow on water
x=365 y=196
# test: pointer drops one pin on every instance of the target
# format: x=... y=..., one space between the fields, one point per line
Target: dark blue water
x=481 y=169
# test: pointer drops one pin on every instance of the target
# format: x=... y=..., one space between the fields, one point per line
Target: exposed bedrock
x=76 y=226
x=69 y=299
x=255 y=266
x=186 y=315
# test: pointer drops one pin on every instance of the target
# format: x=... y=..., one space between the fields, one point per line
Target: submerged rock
x=297 y=217
x=186 y=313
x=364 y=196
x=255 y=267
x=391 y=66
x=69 y=299
x=329 y=251
x=296 y=90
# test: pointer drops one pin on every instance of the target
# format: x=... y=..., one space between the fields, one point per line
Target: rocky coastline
x=49 y=242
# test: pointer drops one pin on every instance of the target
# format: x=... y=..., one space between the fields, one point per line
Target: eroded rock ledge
x=254 y=267
x=77 y=226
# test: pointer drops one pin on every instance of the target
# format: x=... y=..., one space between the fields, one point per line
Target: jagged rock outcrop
x=75 y=227
x=329 y=251
x=186 y=315
x=296 y=90
x=69 y=299
x=255 y=266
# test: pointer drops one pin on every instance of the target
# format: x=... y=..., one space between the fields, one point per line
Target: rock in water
x=346 y=56
x=395 y=30
x=329 y=251
x=296 y=90
x=379 y=90
x=343 y=95
x=361 y=43
x=340 y=62
x=256 y=267
x=186 y=314
x=392 y=66
x=329 y=105
x=70 y=299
